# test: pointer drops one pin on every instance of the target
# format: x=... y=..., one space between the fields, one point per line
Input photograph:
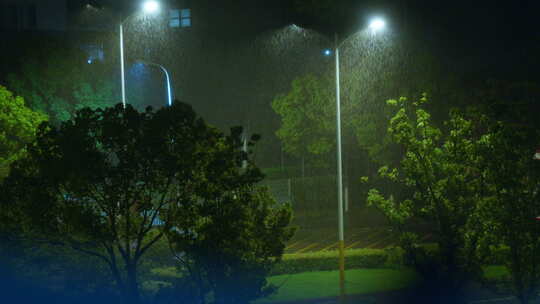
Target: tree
x=228 y=242
x=477 y=183
x=440 y=170
x=513 y=202
x=58 y=81
x=514 y=102
x=18 y=125
x=373 y=69
x=108 y=182
x=308 y=118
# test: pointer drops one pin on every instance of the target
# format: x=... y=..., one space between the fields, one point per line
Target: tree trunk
x=303 y=167
x=132 y=294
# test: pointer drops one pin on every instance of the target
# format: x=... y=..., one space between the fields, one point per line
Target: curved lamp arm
x=169 y=94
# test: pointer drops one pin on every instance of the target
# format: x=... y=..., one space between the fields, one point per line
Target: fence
x=280 y=189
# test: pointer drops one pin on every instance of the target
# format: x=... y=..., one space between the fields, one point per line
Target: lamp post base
x=342 y=271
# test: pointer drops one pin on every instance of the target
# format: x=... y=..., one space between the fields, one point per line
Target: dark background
x=212 y=63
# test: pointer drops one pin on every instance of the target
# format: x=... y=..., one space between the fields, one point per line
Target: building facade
x=33 y=15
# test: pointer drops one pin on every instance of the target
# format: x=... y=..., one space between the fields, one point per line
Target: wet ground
x=419 y=295
x=313 y=240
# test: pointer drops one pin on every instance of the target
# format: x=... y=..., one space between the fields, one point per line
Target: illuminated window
x=185 y=18
x=180 y=18
x=174 y=18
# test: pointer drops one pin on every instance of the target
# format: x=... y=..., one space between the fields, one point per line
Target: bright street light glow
x=150 y=6
x=327 y=52
x=376 y=24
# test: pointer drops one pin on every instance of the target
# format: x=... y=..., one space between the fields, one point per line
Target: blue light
x=327 y=52
x=89 y=61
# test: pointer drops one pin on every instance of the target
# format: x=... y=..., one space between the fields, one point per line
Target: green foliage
x=373 y=69
x=99 y=183
x=308 y=118
x=328 y=260
x=58 y=81
x=510 y=101
x=376 y=68
x=229 y=241
x=512 y=180
x=391 y=257
x=476 y=182
x=439 y=169
x=18 y=125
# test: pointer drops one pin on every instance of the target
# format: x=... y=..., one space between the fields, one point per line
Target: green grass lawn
x=312 y=285
x=496 y=272
x=320 y=284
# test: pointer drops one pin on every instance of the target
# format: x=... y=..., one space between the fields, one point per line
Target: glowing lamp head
x=150 y=6
x=376 y=24
x=327 y=52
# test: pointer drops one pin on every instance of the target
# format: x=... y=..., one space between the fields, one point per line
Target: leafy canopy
x=308 y=117
x=105 y=182
x=58 y=81
x=111 y=183
x=512 y=202
x=476 y=184
x=439 y=169
x=18 y=125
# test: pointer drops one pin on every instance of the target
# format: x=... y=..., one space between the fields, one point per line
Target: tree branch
x=148 y=245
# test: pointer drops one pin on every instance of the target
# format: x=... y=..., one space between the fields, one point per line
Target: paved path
x=321 y=240
x=415 y=296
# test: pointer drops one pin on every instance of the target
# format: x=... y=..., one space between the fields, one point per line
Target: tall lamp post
x=375 y=25
x=162 y=68
x=149 y=6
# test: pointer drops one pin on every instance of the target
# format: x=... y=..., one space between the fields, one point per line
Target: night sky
x=487 y=32
x=479 y=20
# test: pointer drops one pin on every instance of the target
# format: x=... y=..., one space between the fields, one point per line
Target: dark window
x=31 y=20
x=11 y=17
x=3 y=10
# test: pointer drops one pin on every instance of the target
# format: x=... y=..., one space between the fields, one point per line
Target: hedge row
x=354 y=259
x=329 y=260
x=360 y=258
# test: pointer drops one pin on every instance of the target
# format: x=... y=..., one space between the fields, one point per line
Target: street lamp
x=162 y=68
x=375 y=25
x=149 y=6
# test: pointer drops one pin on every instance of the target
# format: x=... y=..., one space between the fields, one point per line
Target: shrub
x=328 y=260
x=390 y=257
x=498 y=256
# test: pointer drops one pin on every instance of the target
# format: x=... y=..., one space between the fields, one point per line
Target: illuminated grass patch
x=322 y=284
